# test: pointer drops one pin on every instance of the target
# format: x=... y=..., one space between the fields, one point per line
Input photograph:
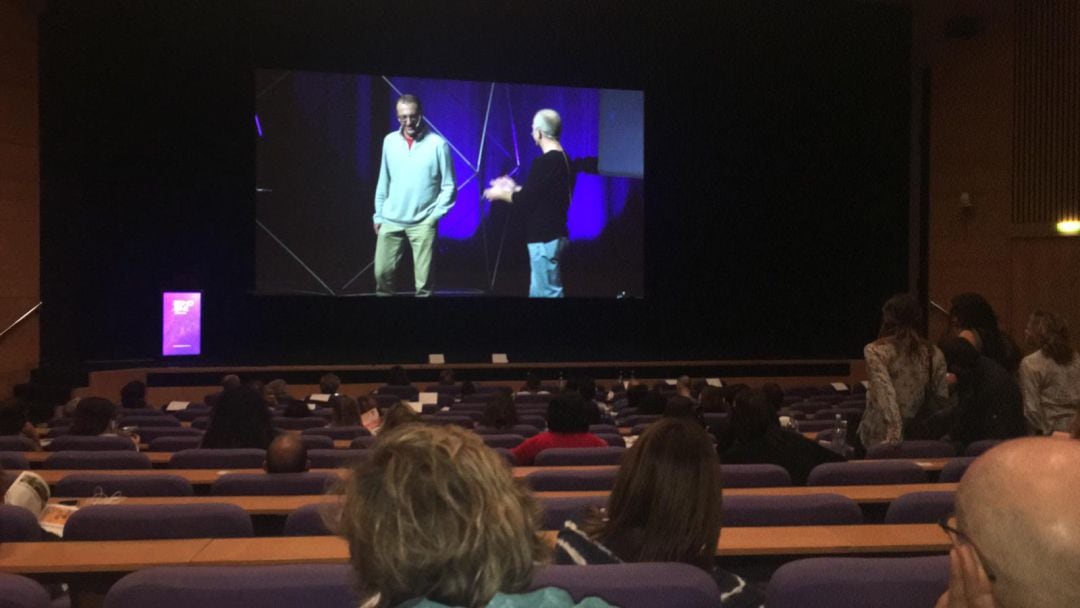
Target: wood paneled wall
x=1002 y=100
x=19 y=199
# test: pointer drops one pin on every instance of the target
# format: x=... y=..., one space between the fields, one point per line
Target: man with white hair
x=1016 y=534
x=544 y=199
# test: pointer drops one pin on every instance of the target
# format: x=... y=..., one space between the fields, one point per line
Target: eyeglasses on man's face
x=948 y=524
x=406 y=119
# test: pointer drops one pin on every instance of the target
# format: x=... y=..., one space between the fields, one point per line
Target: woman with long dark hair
x=906 y=373
x=665 y=507
x=240 y=419
x=974 y=320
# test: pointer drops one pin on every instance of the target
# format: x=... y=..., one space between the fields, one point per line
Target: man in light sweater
x=416 y=187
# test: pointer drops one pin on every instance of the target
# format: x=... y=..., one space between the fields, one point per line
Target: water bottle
x=839 y=439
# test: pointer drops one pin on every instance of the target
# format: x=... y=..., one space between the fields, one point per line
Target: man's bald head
x=1019 y=504
x=286 y=454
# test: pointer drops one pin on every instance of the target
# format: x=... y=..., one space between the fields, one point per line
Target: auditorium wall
x=19 y=224
x=1003 y=84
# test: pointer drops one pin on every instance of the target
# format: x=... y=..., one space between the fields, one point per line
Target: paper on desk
x=714 y=382
x=177 y=406
x=670 y=381
x=311 y=407
x=865 y=384
x=436 y=359
x=429 y=398
x=320 y=397
x=416 y=406
x=54 y=517
x=499 y=358
x=839 y=387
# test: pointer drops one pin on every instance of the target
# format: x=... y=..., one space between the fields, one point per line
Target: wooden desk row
x=127 y=556
x=284 y=505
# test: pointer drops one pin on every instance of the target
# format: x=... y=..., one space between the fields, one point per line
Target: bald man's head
x=1019 y=504
x=286 y=454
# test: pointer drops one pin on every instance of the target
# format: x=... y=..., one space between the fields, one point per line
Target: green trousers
x=390 y=246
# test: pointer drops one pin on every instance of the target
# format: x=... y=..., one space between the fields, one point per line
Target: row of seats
x=223 y=520
x=806 y=583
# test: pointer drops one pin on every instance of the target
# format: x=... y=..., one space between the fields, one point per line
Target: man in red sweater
x=568 y=427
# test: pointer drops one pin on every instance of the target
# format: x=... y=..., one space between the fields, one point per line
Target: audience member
x=975 y=321
x=987 y=398
x=1050 y=376
x=652 y=403
x=712 y=401
x=329 y=384
x=774 y=395
x=344 y=411
x=286 y=454
x=399 y=415
x=532 y=385
x=446 y=378
x=1016 y=533
x=683 y=388
x=756 y=438
x=665 y=507
x=94 y=416
x=467 y=388
x=731 y=391
x=227 y=381
x=568 y=427
x=635 y=393
x=500 y=414
x=14 y=420
x=679 y=406
x=241 y=419
x=907 y=376
x=133 y=395
x=434 y=518
x=278 y=391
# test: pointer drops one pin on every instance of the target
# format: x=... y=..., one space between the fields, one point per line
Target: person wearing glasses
x=1016 y=531
x=416 y=188
x=544 y=200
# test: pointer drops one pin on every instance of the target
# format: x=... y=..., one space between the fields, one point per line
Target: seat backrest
x=572 y=481
x=316 y=585
x=149 y=421
x=444 y=419
x=850 y=582
x=362 y=443
x=754 y=476
x=502 y=441
x=553 y=457
x=407 y=392
x=149 y=434
x=641 y=585
x=955 y=468
x=149 y=522
x=175 y=444
x=275 y=484
x=976 y=448
x=866 y=473
x=338 y=432
x=317 y=442
x=13 y=461
x=615 y=440
x=307 y=521
x=16 y=443
x=18 y=525
x=920 y=508
x=298 y=424
x=88 y=443
x=335 y=458
x=82 y=485
x=78 y=459
x=910 y=449
x=603 y=428
x=21 y=592
x=558 y=510
x=235 y=458
x=803 y=510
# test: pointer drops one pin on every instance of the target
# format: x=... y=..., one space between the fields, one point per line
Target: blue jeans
x=546 y=277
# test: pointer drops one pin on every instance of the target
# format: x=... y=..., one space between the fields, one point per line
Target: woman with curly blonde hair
x=435 y=518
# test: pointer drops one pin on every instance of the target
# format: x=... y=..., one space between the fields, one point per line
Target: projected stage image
x=373 y=185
